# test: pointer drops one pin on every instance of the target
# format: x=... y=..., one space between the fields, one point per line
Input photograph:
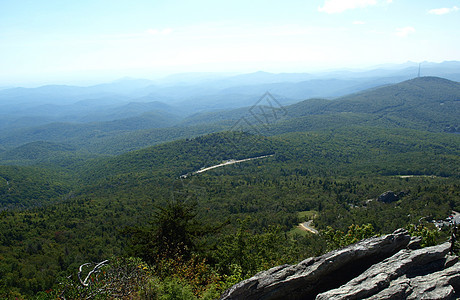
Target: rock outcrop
x=388 y=197
x=385 y=267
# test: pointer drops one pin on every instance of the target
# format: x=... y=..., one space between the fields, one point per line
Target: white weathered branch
x=95 y=269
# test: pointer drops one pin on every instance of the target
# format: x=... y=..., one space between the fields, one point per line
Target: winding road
x=307 y=227
x=228 y=162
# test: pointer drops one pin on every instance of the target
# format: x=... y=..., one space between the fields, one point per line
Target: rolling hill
x=187 y=94
x=58 y=219
x=426 y=103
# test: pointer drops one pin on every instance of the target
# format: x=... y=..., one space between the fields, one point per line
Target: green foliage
x=172 y=234
x=24 y=187
x=336 y=173
x=175 y=227
x=171 y=289
x=181 y=157
x=245 y=253
x=429 y=236
x=426 y=103
x=306 y=215
x=339 y=239
x=45 y=154
x=196 y=272
x=121 y=278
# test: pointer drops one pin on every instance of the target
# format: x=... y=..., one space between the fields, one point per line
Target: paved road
x=307 y=227
x=229 y=162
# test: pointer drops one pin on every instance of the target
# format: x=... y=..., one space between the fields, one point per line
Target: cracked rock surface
x=377 y=268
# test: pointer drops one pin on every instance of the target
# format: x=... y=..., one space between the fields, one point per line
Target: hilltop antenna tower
x=418 y=75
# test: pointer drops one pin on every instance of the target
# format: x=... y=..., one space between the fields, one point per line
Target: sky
x=57 y=41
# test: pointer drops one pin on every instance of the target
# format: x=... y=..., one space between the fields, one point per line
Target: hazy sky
x=46 y=40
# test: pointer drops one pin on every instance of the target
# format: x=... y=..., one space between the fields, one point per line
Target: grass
x=303 y=216
x=306 y=215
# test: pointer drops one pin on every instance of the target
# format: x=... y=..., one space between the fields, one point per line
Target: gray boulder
x=404 y=272
x=317 y=274
x=388 y=197
x=376 y=268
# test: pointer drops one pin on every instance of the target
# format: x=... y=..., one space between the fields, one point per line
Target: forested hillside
x=109 y=192
x=332 y=172
x=425 y=103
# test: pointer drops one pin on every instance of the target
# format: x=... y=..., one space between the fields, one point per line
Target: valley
x=217 y=193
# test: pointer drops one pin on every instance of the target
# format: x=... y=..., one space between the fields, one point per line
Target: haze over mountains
x=81 y=165
x=159 y=150
x=130 y=114
x=183 y=95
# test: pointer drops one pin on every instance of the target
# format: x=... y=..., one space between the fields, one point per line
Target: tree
x=338 y=239
x=172 y=233
x=175 y=229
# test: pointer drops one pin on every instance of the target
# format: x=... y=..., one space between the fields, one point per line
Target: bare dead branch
x=94 y=270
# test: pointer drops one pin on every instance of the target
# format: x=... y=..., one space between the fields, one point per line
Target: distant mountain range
x=429 y=103
x=185 y=94
x=92 y=173
x=425 y=103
